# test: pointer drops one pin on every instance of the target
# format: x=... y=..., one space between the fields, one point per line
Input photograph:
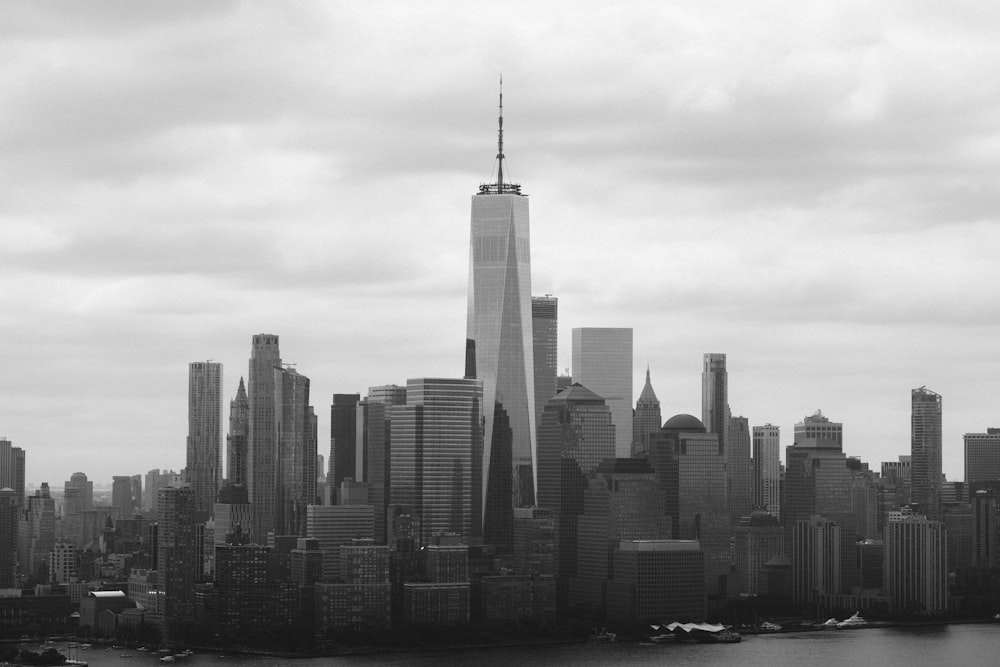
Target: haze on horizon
x=810 y=189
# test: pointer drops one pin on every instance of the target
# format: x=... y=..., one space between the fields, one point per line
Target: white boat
x=855 y=621
x=828 y=624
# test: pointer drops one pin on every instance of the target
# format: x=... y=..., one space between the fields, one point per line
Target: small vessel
x=767 y=626
x=855 y=621
x=828 y=624
x=168 y=658
x=725 y=636
x=603 y=636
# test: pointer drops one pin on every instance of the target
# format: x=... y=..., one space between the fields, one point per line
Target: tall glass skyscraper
x=262 y=454
x=602 y=362
x=925 y=451
x=715 y=396
x=204 y=441
x=499 y=349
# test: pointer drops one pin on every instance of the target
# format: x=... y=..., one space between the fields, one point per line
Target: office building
x=37 y=532
x=9 y=528
x=262 y=456
x=121 y=495
x=435 y=449
x=925 y=451
x=377 y=405
x=237 y=442
x=335 y=526
x=646 y=419
x=738 y=487
x=817 y=553
x=819 y=427
x=758 y=539
x=767 y=469
x=982 y=457
x=12 y=466
x=576 y=435
x=715 y=396
x=178 y=561
x=818 y=481
x=204 y=441
x=622 y=502
x=656 y=580
x=602 y=362
x=346 y=453
x=691 y=474
x=500 y=348
x=295 y=427
x=916 y=563
x=986 y=529
x=545 y=339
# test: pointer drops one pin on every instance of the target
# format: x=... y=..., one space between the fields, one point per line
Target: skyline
x=809 y=191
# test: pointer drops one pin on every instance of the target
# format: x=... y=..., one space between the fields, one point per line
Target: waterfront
x=974 y=644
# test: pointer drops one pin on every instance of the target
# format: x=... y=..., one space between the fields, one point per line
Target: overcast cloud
x=811 y=188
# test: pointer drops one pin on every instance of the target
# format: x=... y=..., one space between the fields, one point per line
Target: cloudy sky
x=810 y=188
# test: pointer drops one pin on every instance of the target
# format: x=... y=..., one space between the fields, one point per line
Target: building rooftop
x=686 y=423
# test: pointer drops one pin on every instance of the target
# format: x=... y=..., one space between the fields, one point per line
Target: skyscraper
x=916 y=562
x=237 y=440
x=925 y=451
x=177 y=560
x=344 y=455
x=982 y=457
x=575 y=436
x=12 y=469
x=545 y=336
x=499 y=344
x=715 y=396
x=261 y=480
x=647 y=418
x=8 y=536
x=767 y=469
x=738 y=488
x=377 y=406
x=204 y=441
x=295 y=426
x=602 y=362
x=436 y=445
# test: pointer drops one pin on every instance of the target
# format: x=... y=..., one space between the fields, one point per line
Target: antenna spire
x=500 y=142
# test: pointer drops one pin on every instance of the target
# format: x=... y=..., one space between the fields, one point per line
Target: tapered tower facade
x=499 y=349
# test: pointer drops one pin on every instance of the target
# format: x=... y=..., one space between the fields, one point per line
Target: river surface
x=932 y=645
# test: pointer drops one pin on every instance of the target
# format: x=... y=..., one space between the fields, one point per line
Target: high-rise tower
x=647 y=418
x=262 y=456
x=715 y=396
x=545 y=332
x=925 y=450
x=239 y=428
x=295 y=427
x=204 y=441
x=499 y=347
x=602 y=362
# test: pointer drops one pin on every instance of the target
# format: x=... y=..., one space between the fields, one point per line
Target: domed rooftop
x=685 y=423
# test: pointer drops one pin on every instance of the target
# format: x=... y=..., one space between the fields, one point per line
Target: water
x=939 y=645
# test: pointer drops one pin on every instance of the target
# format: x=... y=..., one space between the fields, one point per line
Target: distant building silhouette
x=738 y=485
x=204 y=441
x=916 y=563
x=178 y=561
x=925 y=450
x=9 y=525
x=376 y=407
x=602 y=362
